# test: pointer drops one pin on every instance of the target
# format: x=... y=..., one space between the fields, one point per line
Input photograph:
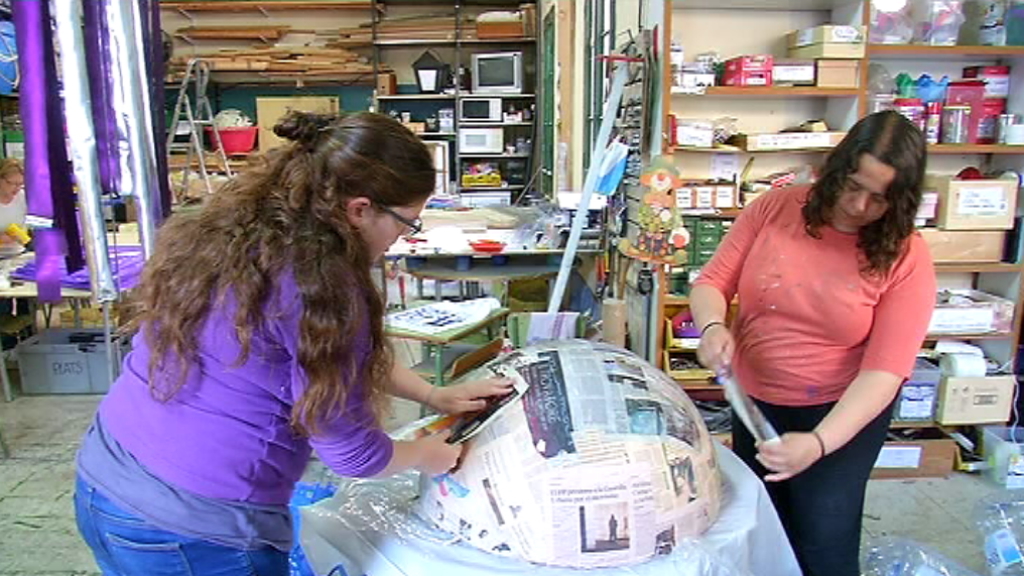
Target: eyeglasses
x=17 y=184
x=415 y=225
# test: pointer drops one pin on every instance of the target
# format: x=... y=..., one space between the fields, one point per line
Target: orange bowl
x=487 y=246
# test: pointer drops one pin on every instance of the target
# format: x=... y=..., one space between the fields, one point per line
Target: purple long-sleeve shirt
x=226 y=433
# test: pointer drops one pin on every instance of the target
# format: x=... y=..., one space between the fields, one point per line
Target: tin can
x=933 y=122
x=955 y=123
x=1005 y=121
x=913 y=109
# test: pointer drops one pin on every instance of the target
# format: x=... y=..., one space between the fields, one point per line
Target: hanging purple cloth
x=47 y=169
x=101 y=88
x=157 y=92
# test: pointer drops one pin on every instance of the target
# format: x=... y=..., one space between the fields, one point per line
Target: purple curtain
x=47 y=168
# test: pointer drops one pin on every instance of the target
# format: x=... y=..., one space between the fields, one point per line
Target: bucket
x=236 y=140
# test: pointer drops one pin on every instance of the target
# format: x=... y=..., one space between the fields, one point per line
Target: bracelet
x=820 y=442
x=709 y=325
x=426 y=401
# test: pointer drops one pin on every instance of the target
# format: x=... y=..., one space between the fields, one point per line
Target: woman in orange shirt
x=836 y=289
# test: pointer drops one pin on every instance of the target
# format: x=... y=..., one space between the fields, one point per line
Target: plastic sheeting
x=369 y=528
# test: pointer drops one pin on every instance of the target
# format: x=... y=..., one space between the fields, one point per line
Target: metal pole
x=596 y=159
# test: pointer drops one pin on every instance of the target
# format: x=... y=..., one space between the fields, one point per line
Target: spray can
x=933 y=122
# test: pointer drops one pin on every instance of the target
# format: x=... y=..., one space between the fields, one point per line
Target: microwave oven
x=480 y=110
x=481 y=140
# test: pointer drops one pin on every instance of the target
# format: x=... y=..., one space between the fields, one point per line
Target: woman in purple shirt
x=260 y=340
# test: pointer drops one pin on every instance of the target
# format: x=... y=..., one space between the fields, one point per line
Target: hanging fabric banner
x=47 y=181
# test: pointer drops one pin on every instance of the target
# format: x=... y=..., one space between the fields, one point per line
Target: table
x=437 y=342
x=377 y=535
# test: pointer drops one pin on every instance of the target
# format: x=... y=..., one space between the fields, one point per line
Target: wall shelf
x=981 y=267
x=412 y=43
x=469 y=155
x=772 y=92
x=416 y=97
x=974 y=149
x=923 y=51
x=986 y=336
x=735 y=150
x=465 y=124
x=277 y=5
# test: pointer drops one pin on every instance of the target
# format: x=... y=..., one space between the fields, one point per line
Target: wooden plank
x=234 y=32
x=250 y=6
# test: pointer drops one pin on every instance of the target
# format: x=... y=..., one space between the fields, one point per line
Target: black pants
x=821 y=507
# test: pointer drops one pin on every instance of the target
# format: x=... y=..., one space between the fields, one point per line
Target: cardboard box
x=964 y=246
x=271 y=109
x=793 y=72
x=917 y=397
x=838 y=73
x=826 y=34
x=830 y=50
x=976 y=204
x=966 y=311
x=788 y=140
x=387 y=83
x=982 y=400
x=697 y=372
x=753 y=70
x=930 y=457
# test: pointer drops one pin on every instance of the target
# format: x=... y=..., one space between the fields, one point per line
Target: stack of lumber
x=265 y=33
x=408 y=28
x=299 y=61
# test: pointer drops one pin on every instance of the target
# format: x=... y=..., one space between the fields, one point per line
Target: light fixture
x=431 y=73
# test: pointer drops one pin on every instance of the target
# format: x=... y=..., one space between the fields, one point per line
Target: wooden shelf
x=412 y=43
x=974 y=149
x=465 y=124
x=735 y=150
x=989 y=336
x=416 y=97
x=773 y=91
x=469 y=155
x=247 y=6
x=673 y=300
x=978 y=267
x=898 y=424
x=923 y=51
x=494 y=95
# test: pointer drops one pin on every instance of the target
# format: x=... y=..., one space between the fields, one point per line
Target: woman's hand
x=467 y=397
x=716 y=347
x=791 y=455
x=436 y=456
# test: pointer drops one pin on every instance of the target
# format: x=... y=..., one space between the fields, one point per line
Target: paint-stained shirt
x=809 y=319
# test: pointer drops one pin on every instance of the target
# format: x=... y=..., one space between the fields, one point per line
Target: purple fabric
x=47 y=177
x=157 y=91
x=125 y=261
x=226 y=433
x=101 y=88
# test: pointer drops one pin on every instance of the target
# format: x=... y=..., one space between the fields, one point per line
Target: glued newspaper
x=602 y=463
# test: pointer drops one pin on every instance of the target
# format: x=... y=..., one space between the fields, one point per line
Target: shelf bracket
x=188 y=15
x=263 y=11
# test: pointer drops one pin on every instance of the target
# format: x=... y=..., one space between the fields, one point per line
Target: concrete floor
x=38 y=535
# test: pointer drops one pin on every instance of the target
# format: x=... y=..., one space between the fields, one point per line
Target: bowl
x=487 y=246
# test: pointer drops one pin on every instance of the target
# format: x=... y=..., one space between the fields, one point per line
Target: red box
x=753 y=70
x=997 y=79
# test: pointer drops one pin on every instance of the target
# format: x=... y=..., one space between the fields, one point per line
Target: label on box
x=961 y=320
x=792 y=140
x=705 y=197
x=684 y=197
x=832 y=33
x=916 y=402
x=724 y=196
x=899 y=457
x=981 y=201
x=1015 y=471
x=1001 y=551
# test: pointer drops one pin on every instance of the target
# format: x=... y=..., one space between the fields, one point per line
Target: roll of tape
x=962 y=365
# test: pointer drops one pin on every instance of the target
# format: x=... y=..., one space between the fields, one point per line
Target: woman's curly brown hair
x=895 y=141
x=287 y=216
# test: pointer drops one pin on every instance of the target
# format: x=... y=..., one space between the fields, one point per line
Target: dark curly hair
x=287 y=215
x=895 y=141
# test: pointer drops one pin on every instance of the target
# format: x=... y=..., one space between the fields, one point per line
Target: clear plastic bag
x=1001 y=520
x=937 y=22
x=902 y=557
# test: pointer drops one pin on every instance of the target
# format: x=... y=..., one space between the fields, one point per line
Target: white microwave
x=480 y=110
x=481 y=140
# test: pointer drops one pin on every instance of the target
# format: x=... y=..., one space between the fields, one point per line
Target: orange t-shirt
x=809 y=320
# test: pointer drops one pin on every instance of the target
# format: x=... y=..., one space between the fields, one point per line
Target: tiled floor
x=38 y=535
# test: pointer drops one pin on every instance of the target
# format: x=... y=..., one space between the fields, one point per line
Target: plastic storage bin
x=66 y=362
x=1001 y=448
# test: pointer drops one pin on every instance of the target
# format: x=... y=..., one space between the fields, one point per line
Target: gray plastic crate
x=66 y=361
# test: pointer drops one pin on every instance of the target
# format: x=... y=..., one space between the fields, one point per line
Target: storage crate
x=63 y=361
x=1001 y=448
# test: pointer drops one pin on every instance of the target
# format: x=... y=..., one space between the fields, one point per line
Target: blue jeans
x=125 y=545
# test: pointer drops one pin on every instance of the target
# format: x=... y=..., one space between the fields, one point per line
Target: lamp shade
x=431 y=73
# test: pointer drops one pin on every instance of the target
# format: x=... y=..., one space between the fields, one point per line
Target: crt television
x=498 y=73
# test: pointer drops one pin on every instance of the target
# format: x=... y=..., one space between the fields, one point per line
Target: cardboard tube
x=613 y=321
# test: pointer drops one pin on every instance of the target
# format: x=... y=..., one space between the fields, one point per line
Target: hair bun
x=303 y=127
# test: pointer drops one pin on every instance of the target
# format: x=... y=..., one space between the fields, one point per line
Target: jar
x=955 y=124
x=988 y=125
x=913 y=109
